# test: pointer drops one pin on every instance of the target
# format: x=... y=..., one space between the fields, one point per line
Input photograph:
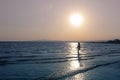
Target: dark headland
x=114 y=41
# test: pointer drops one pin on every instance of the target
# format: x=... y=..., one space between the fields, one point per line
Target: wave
x=72 y=73
x=42 y=61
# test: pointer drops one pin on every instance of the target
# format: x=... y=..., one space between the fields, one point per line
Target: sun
x=76 y=19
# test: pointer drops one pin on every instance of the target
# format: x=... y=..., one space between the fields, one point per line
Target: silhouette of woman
x=78 y=48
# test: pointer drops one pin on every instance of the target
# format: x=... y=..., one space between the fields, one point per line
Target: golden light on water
x=76 y=64
x=73 y=52
x=76 y=19
x=73 y=49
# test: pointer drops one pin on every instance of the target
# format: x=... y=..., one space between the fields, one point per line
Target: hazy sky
x=49 y=19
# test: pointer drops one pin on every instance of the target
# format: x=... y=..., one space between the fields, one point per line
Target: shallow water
x=59 y=61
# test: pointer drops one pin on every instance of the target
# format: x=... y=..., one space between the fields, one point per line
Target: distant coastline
x=117 y=41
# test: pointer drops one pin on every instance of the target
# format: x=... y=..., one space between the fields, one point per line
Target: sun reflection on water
x=80 y=76
x=76 y=64
x=73 y=48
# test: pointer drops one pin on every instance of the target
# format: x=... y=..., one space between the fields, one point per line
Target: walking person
x=78 y=48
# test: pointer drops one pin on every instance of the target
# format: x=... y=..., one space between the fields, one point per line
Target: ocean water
x=59 y=61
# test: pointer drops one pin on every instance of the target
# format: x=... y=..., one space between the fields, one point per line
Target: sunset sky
x=50 y=20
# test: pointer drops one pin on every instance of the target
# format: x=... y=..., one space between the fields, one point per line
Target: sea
x=59 y=60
